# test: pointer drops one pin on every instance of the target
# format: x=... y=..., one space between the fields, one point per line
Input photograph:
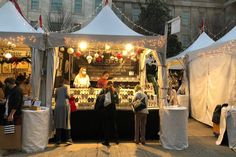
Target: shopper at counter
x=82 y=79
x=13 y=107
x=109 y=116
x=140 y=117
x=14 y=102
x=102 y=82
x=62 y=113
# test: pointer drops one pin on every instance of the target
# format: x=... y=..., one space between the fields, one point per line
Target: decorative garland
x=16 y=60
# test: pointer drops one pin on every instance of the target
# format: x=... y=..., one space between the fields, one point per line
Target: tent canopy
x=15 y=29
x=107 y=23
x=202 y=41
x=231 y=35
x=12 y=21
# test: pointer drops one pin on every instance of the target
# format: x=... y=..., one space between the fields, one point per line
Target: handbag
x=139 y=104
x=99 y=102
x=9 y=128
x=107 y=100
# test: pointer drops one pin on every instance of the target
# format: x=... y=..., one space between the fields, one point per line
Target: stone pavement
x=201 y=144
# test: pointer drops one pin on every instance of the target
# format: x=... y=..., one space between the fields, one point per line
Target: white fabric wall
x=50 y=77
x=37 y=63
x=212 y=80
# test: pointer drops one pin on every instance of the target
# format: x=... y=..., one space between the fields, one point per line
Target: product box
x=10 y=141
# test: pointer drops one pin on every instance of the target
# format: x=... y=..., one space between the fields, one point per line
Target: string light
x=133 y=23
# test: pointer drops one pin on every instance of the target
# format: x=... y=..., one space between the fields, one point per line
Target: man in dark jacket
x=14 y=102
x=13 y=106
x=109 y=116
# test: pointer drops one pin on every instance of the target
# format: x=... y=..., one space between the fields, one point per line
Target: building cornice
x=195 y=4
x=229 y=2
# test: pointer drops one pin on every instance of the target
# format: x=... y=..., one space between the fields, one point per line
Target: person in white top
x=82 y=79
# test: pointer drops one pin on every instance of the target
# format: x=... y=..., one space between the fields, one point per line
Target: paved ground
x=201 y=144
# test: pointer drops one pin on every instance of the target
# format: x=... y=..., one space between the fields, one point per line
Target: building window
x=34 y=4
x=56 y=5
x=98 y=6
x=78 y=6
x=185 y=18
x=135 y=12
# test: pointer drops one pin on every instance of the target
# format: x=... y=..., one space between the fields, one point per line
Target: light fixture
x=125 y=53
x=9 y=43
x=8 y=55
x=83 y=45
x=107 y=47
x=129 y=47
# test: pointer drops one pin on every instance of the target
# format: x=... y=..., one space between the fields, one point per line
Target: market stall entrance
x=98 y=47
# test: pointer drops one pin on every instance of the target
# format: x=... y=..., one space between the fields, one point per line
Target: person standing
x=102 y=82
x=14 y=102
x=62 y=114
x=140 y=117
x=82 y=79
x=109 y=116
x=13 y=106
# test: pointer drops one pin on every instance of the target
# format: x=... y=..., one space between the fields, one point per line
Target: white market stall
x=15 y=30
x=202 y=41
x=107 y=29
x=212 y=77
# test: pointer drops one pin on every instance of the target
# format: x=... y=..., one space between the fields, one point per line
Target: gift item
x=11 y=141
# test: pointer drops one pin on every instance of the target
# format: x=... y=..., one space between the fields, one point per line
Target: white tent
x=229 y=36
x=12 y=21
x=212 y=76
x=15 y=28
x=202 y=41
x=107 y=23
x=106 y=27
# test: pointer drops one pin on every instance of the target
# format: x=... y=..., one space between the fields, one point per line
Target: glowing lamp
x=125 y=53
x=83 y=45
x=129 y=47
x=8 y=55
x=107 y=47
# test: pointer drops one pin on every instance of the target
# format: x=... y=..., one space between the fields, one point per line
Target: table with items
x=86 y=122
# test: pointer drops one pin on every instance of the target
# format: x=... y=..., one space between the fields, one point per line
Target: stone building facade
x=216 y=14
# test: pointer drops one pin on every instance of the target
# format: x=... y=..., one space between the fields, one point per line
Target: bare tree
x=60 y=21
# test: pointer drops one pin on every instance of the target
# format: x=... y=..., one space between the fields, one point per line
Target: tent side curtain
x=37 y=63
x=212 y=76
x=34 y=40
x=151 y=42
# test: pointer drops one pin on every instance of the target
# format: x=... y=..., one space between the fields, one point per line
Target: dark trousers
x=59 y=135
x=109 y=127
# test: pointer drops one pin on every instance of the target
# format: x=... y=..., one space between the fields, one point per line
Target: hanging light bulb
x=125 y=53
x=107 y=47
x=83 y=45
x=8 y=55
x=129 y=47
